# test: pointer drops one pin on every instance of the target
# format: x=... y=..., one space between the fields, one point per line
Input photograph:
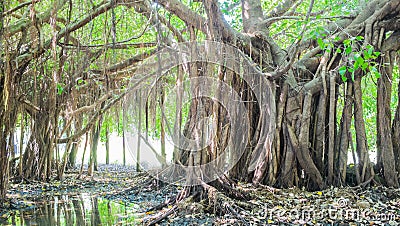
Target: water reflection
x=77 y=210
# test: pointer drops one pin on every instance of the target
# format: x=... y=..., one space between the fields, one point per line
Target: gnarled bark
x=384 y=128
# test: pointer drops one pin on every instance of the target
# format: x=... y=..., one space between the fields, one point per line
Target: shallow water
x=81 y=209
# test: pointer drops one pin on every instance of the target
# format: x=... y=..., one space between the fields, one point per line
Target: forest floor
x=266 y=206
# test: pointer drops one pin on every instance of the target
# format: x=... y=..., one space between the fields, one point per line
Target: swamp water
x=80 y=210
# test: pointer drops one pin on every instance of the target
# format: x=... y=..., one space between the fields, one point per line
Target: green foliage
x=342 y=72
x=60 y=88
x=232 y=11
x=358 y=58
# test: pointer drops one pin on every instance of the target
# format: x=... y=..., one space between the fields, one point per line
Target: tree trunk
x=21 y=144
x=162 y=125
x=75 y=146
x=384 y=128
x=303 y=153
x=107 y=144
x=361 y=138
x=93 y=148
x=396 y=130
x=332 y=128
x=345 y=124
x=139 y=139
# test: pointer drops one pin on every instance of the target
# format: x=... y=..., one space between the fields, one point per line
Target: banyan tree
x=276 y=89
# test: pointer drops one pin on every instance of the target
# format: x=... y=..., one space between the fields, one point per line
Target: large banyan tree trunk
x=385 y=142
x=309 y=147
x=301 y=101
x=294 y=137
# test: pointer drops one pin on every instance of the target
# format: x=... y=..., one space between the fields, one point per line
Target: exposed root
x=182 y=197
x=235 y=213
x=222 y=204
x=162 y=205
x=161 y=216
x=229 y=187
x=211 y=196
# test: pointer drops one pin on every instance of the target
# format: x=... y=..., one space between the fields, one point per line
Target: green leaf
x=359 y=59
x=347 y=42
x=344 y=78
x=374 y=71
x=356 y=65
x=370 y=49
x=348 y=50
x=336 y=39
x=342 y=70
x=367 y=56
x=364 y=66
x=321 y=43
x=359 y=38
x=60 y=88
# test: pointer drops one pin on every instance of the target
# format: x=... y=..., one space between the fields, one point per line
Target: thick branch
x=66 y=30
x=186 y=14
x=90 y=107
x=111 y=46
x=252 y=16
x=100 y=112
x=282 y=8
x=129 y=62
x=24 y=22
x=8 y=12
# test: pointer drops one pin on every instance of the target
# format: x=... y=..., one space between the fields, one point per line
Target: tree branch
x=66 y=30
x=282 y=8
x=8 y=12
x=184 y=13
x=24 y=22
x=252 y=16
x=111 y=46
x=131 y=61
